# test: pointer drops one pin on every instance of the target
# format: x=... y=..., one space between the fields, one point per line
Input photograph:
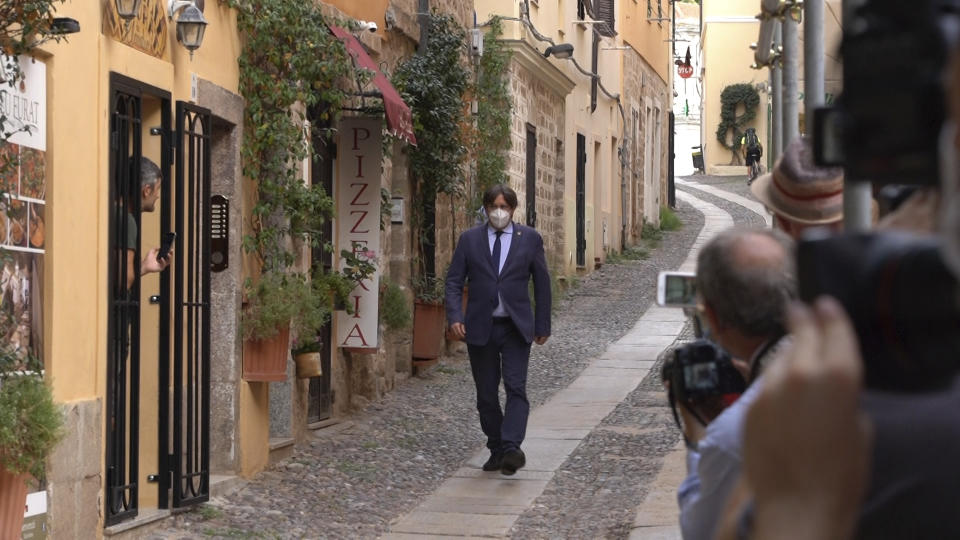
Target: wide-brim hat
x=798 y=190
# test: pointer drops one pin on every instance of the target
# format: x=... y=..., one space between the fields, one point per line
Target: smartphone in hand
x=166 y=245
x=677 y=289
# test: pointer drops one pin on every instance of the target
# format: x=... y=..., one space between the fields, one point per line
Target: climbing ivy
x=492 y=92
x=730 y=99
x=434 y=83
x=290 y=65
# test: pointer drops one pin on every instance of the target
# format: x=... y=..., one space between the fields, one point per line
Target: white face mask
x=499 y=219
x=950 y=197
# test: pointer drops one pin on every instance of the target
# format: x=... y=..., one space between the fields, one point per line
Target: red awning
x=399 y=118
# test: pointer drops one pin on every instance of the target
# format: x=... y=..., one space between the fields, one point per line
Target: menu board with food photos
x=23 y=182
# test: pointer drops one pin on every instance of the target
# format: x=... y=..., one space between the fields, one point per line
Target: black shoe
x=512 y=460
x=493 y=464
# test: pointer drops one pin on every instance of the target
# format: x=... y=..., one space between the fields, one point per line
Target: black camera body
x=886 y=124
x=901 y=298
x=702 y=376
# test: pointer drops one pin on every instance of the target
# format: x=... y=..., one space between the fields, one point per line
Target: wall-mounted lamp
x=127 y=9
x=64 y=25
x=190 y=24
x=560 y=51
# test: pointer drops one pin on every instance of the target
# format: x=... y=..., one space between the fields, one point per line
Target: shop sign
x=23 y=105
x=147 y=32
x=35 y=517
x=23 y=209
x=358 y=224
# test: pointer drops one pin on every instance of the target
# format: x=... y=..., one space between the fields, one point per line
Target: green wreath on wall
x=730 y=99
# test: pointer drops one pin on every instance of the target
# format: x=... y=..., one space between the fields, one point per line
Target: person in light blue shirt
x=745 y=280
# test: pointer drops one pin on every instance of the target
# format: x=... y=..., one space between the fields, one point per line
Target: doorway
x=158 y=323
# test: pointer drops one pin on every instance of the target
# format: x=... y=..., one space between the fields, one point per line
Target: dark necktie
x=495 y=258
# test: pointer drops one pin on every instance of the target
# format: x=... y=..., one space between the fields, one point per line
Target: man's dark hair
x=494 y=191
x=751 y=298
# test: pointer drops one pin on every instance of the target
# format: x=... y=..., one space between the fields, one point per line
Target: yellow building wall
x=367 y=10
x=649 y=38
x=727 y=60
x=555 y=20
x=719 y=8
x=78 y=199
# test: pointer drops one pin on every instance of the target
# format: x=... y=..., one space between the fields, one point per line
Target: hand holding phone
x=677 y=289
x=166 y=245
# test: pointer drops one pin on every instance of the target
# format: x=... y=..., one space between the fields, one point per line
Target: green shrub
x=669 y=220
x=395 y=311
x=30 y=423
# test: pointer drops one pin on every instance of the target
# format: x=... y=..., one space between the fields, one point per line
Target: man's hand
x=692 y=428
x=152 y=264
x=806 y=443
x=540 y=340
x=459 y=331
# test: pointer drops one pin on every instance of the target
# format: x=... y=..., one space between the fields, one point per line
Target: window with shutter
x=649 y=9
x=581 y=11
x=605 y=12
x=659 y=9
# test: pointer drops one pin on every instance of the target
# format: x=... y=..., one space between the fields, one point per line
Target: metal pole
x=857 y=196
x=791 y=90
x=813 y=87
x=777 y=76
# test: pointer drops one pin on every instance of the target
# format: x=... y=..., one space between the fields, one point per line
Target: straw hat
x=800 y=191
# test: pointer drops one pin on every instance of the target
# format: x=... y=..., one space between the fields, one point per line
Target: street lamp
x=127 y=9
x=560 y=51
x=190 y=24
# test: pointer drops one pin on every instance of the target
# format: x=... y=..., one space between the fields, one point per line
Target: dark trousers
x=505 y=356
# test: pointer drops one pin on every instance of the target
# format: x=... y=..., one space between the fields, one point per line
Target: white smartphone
x=676 y=289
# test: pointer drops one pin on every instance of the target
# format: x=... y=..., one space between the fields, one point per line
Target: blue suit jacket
x=471 y=265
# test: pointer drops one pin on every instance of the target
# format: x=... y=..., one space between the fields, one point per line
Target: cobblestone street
x=360 y=477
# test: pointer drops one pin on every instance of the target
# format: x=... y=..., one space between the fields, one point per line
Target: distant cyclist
x=753 y=150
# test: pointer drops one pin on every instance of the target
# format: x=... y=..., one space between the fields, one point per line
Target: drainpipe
x=777 y=90
x=791 y=63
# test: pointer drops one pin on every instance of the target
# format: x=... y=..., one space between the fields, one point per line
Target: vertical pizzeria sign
x=23 y=111
x=358 y=225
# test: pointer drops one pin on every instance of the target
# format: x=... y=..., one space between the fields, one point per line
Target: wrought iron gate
x=320 y=404
x=581 y=200
x=123 y=331
x=185 y=353
x=531 y=176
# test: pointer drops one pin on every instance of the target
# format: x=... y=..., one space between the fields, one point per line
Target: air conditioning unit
x=476 y=41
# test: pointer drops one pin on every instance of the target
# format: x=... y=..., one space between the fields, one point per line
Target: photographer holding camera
x=824 y=458
x=745 y=279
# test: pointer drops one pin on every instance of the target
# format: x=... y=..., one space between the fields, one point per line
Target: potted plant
x=30 y=424
x=307 y=358
x=429 y=320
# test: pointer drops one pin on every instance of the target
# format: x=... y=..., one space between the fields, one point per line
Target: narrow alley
x=604 y=456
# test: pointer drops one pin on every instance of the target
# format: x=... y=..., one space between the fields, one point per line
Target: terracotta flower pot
x=13 y=499
x=266 y=359
x=428 y=330
x=308 y=365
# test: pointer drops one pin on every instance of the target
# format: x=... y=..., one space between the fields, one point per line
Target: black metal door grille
x=188 y=466
x=325 y=150
x=581 y=200
x=531 y=176
x=123 y=333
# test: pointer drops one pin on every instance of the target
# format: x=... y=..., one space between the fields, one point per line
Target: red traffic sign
x=685 y=70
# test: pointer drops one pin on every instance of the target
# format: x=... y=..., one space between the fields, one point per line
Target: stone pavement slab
x=454 y=523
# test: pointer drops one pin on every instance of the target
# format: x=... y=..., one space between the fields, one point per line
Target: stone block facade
x=644 y=90
x=538 y=106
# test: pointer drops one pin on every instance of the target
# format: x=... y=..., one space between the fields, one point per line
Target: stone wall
x=642 y=87
x=536 y=104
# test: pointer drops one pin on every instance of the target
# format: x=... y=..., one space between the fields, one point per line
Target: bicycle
x=755 y=170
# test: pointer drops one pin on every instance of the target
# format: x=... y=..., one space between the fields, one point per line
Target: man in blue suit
x=497 y=260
